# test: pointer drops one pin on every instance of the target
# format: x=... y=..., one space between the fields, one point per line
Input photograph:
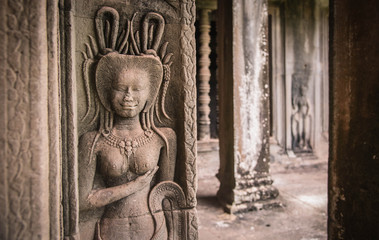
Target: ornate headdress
x=115 y=51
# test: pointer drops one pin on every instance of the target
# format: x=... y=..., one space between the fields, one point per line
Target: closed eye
x=138 y=88
x=119 y=89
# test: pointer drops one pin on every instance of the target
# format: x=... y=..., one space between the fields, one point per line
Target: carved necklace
x=126 y=146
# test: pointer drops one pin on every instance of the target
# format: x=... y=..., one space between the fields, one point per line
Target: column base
x=249 y=195
x=252 y=206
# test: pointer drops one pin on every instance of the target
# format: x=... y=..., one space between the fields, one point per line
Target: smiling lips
x=127 y=106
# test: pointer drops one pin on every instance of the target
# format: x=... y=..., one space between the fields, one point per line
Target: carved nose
x=127 y=97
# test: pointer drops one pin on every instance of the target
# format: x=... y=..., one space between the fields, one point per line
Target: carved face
x=130 y=91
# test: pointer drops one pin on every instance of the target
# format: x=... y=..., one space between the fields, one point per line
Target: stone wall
x=299 y=75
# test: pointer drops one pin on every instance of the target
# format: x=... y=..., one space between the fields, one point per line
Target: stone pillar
x=354 y=126
x=205 y=9
x=204 y=75
x=29 y=133
x=244 y=97
x=278 y=79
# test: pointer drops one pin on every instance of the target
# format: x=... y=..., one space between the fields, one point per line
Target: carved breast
x=114 y=162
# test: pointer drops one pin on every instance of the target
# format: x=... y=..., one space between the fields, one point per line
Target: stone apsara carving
x=128 y=154
x=301 y=119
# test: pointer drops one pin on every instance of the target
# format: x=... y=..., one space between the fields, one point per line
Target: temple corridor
x=189 y=119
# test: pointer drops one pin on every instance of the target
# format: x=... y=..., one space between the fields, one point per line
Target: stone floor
x=302 y=186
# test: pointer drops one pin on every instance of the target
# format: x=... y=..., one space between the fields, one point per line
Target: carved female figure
x=301 y=122
x=119 y=163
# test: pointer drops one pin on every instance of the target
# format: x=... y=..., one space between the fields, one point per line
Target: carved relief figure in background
x=121 y=162
x=301 y=122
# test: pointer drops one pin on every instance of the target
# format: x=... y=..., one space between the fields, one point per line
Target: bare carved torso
x=127 y=155
x=116 y=169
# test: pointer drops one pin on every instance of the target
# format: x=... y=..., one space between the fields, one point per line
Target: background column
x=204 y=75
x=244 y=106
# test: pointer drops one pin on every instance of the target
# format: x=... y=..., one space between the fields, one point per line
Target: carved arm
x=102 y=197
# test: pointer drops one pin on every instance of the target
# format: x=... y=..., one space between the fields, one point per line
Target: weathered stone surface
x=354 y=148
x=243 y=92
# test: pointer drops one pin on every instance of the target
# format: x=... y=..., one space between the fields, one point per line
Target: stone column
x=204 y=75
x=205 y=9
x=29 y=133
x=244 y=97
x=278 y=66
x=354 y=126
